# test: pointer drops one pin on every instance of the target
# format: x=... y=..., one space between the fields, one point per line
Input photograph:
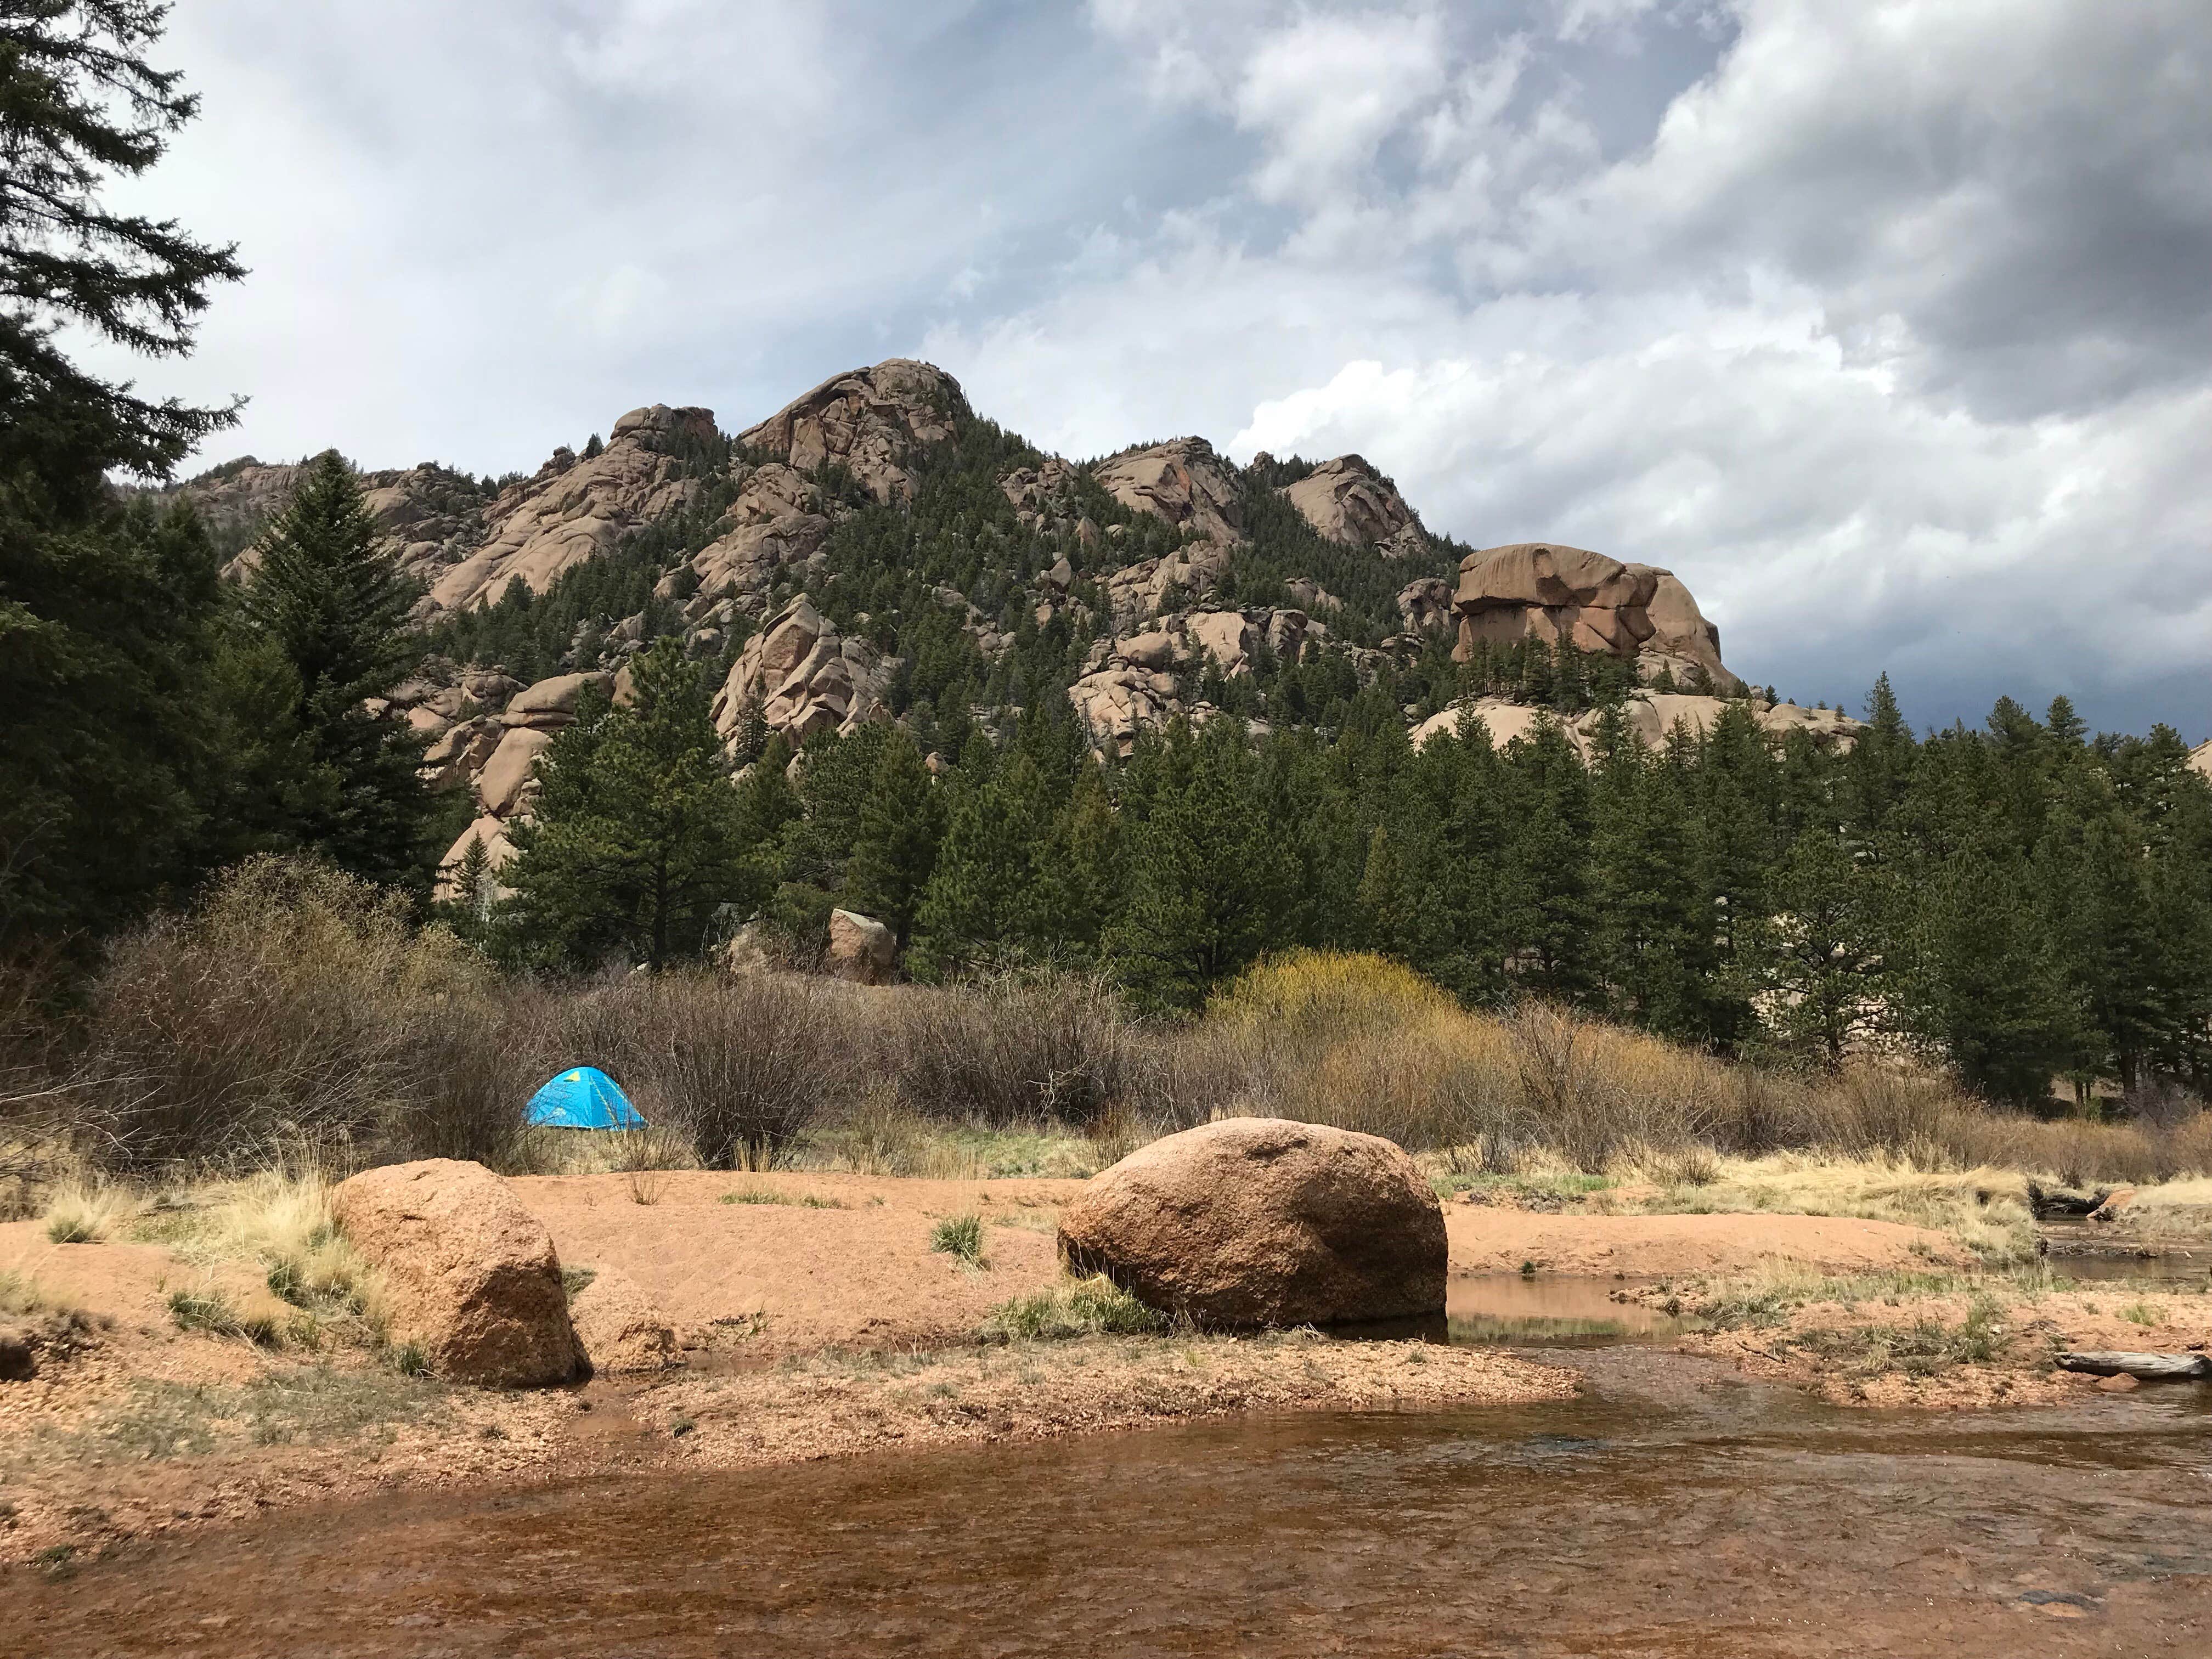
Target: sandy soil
x=786 y=1278
x=1487 y=1239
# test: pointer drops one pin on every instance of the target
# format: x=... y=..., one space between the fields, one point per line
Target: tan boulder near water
x=472 y=1275
x=1264 y=1222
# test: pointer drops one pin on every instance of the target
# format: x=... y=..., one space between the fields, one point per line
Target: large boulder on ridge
x=1259 y=1221
x=1348 y=501
x=472 y=1275
x=1554 y=593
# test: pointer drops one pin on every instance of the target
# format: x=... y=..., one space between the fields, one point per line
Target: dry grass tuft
x=84 y=1213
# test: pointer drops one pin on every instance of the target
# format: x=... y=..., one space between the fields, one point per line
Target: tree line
x=2026 y=902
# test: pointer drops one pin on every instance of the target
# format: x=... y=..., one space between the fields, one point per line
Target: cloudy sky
x=1886 y=324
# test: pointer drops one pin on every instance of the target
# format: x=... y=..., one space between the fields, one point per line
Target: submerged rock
x=1259 y=1221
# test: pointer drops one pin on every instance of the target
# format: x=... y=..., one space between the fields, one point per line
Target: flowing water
x=1673 y=1510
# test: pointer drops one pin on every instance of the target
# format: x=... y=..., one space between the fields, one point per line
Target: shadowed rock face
x=574 y=510
x=804 y=677
x=1182 y=482
x=1348 y=501
x=870 y=421
x=1259 y=1221
x=1546 y=591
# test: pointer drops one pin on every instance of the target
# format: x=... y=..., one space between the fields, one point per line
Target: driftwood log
x=2044 y=1203
x=2150 y=1367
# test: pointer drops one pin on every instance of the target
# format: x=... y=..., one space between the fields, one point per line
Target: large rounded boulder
x=1259 y=1221
x=472 y=1275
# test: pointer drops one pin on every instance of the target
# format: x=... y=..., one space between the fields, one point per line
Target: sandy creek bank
x=810 y=1330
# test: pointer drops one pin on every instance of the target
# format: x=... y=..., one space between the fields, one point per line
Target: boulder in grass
x=861 y=949
x=1259 y=1221
x=471 y=1276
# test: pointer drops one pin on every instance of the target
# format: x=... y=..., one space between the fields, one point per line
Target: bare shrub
x=1011 y=1049
x=743 y=1066
x=1879 y=1108
x=465 y=1079
x=2160 y=1104
x=278 y=1011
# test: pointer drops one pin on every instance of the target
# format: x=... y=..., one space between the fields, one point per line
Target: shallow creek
x=1673 y=1510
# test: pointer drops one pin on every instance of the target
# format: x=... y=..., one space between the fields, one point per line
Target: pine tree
x=106 y=617
x=328 y=600
x=636 y=841
x=111 y=777
x=1551 y=921
x=81 y=105
x=1981 y=985
x=1207 y=875
x=1815 y=964
x=1079 y=875
x=895 y=849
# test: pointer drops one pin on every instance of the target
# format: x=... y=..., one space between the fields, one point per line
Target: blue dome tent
x=582 y=1097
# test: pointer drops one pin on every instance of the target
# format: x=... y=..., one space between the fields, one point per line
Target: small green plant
x=1924 y=1348
x=2142 y=1313
x=408 y=1359
x=210 y=1312
x=56 y=1560
x=960 y=1236
x=1087 y=1307
x=769 y=1196
x=1527 y=1270
x=573 y=1279
x=74 y=1228
x=203 y=1311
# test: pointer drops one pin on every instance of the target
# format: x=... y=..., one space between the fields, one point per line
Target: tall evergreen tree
x=330 y=601
x=1208 y=875
x=1551 y=919
x=1814 y=962
x=636 y=840
x=895 y=851
x=1982 y=986
x=105 y=617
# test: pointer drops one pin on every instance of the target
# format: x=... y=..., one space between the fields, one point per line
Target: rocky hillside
x=876 y=550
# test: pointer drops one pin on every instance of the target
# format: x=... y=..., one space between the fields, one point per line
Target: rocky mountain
x=875 y=550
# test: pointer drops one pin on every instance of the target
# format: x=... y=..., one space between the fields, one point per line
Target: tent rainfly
x=582 y=1097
